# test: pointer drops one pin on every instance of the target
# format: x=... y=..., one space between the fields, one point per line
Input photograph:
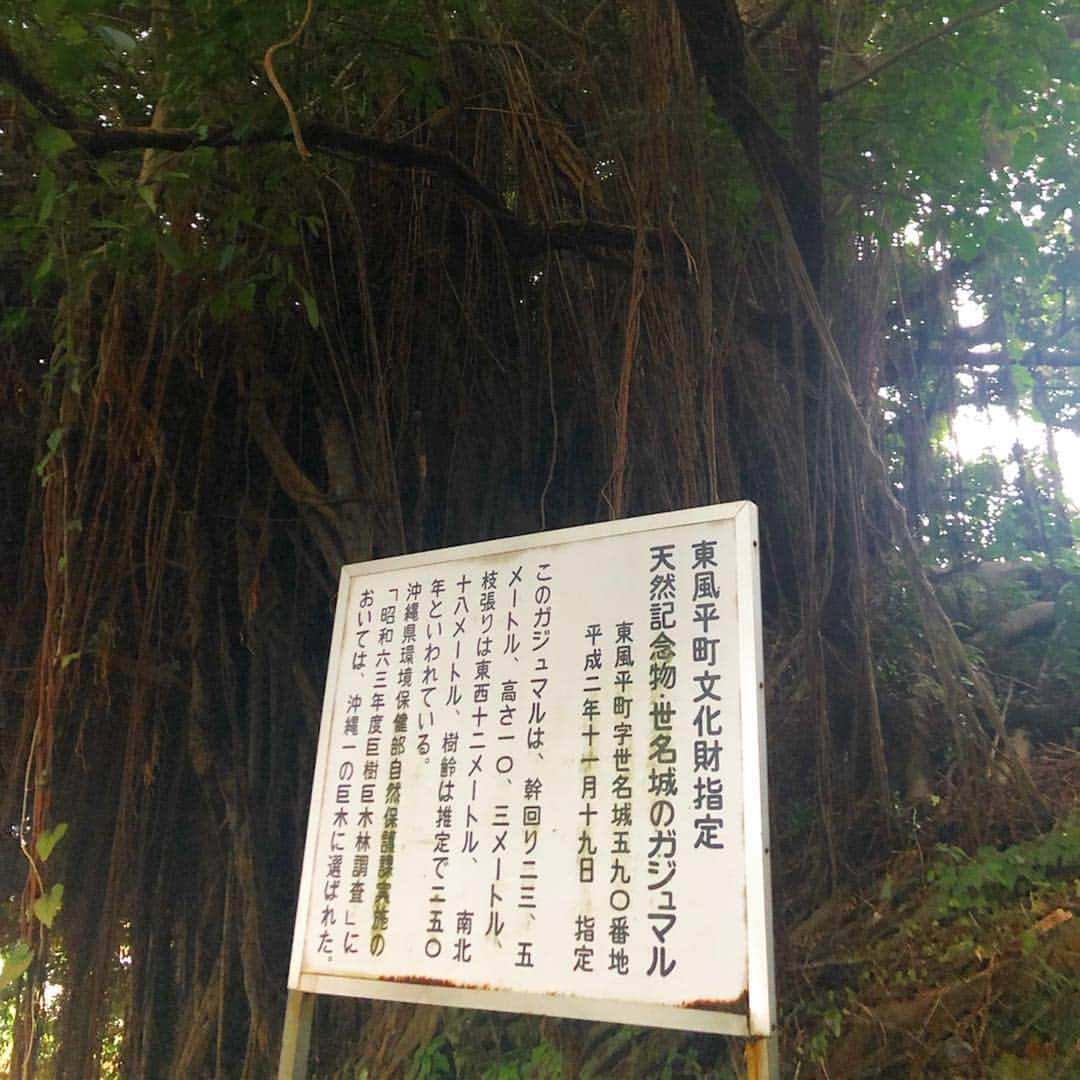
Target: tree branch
x=963 y=339
x=773 y=21
x=907 y=50
x=15 y=73
x=522 y=238
x=100 y=141
x=715 y=36
x=1032 y=358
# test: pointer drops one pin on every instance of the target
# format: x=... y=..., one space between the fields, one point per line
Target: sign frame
x=754 y=1015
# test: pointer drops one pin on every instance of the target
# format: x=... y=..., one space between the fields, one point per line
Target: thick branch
x=714 y=33
x=520 y=237
x=962 y=340
x=297 y=485
x=1032 y=358
x=99 y=141
x=15 y=73
x=773 y=21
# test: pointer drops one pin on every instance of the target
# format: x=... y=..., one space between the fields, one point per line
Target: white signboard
x=540 y=780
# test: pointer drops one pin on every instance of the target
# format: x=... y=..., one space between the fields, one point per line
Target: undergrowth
x=954 y=964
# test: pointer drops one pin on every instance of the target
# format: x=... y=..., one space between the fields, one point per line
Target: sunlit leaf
x=47 y=907
x=15 y=963
x=48 y=840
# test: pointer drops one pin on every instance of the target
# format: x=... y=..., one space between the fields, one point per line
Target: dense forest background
x=286 y=286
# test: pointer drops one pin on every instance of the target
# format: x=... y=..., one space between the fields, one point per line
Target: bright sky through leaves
x=976 y=431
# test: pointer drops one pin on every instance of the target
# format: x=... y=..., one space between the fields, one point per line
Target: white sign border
x=759 y=1018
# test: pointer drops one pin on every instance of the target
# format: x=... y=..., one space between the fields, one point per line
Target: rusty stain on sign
x=737 y=1005
x=424 y=980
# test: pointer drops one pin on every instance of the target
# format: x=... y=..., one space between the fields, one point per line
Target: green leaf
x=1024 y=151
x=15 y=963
x=170 y=248
x=70 y=62
x=146 y=193
x=886 y=893
x=966 y=246
x=46 y=191
x=47 y=907
x=53 y=141
x=72 y=31
x=311 y=307
x=51 y=837
x=52 y=443
x=117 y=40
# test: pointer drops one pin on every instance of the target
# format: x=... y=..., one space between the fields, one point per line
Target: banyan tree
x=285 y=287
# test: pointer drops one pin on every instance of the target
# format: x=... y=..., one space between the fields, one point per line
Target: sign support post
x=296 y=1036
x=763 y=1058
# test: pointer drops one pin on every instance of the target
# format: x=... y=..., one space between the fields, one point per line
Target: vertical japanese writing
x=505 y=733
x=541 y=642
x=531 y=812
x=585 y=923
x=444 y=806
x=531 y=817
x=353 y=718
x=342 y=799
x=622 y=817
x=663 y=783
x=481 y=695
x=475 y=747
x=708 y=798
x=383 y=694
x=444 y=823
x=346 y=774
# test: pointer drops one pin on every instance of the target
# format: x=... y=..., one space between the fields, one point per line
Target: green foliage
x=527 y=1057
x=545 y=1062
x=540 y=1062
x=989 y=510
x=16 y=960
x=432 y=1061
x=47 y=906
x=974 y=883
x=53 y=142
x=48 y=840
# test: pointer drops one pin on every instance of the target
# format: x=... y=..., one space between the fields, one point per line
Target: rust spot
x=756 y=1055
x=424 y=980
x=735 y=1005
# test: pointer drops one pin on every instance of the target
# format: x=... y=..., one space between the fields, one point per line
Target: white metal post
x=296 y=1036
x=763 y=1058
